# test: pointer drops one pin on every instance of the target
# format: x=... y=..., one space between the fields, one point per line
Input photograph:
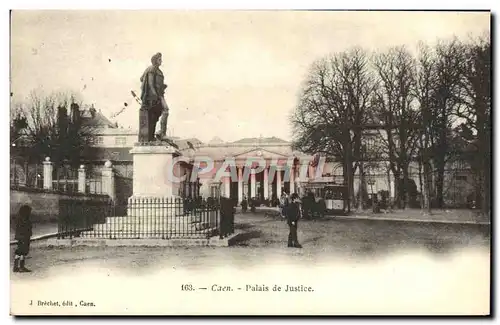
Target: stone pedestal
x=155 y=190
x=153 y=170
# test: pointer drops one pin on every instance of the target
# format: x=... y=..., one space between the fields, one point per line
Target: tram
x=329 y=197
x=335 y=197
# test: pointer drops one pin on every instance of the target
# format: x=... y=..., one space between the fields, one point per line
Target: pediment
x=259 y=153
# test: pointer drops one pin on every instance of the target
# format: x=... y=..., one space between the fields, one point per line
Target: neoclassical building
x=285 y=168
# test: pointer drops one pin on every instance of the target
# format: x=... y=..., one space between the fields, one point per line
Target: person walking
x=23 y=236
x=293 y=215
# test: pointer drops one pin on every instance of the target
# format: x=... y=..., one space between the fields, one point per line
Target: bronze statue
x=153 y=105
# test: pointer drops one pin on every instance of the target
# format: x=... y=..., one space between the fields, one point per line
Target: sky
x=230 y=74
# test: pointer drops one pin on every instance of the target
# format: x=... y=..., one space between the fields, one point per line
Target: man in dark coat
x=23 y=237
x=152 y=97
x=293 y=215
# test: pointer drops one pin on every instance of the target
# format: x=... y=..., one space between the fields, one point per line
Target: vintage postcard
x=188 y=162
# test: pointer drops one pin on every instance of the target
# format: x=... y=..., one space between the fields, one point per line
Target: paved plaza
x=353 y=266
x=264 y=237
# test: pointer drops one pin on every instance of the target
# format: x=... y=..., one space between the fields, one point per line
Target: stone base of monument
x=146 y=242
x=149 y=228
x=154 y=171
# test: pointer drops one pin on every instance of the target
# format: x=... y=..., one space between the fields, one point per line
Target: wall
x=45 y=205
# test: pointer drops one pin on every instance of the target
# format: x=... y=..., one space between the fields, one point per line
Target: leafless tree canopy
x=48 y=128
x=431 y=107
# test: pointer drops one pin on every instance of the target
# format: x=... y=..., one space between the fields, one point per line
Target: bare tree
x=425 y=94
x=332 y=110
x=394 y=99
x=449 y=69
x=475 y=110
x=49 y=131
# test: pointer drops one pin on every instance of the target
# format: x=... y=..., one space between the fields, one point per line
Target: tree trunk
x=397 y=188
x=485 y=206
x=389 y=183
x=405 y=194
x=421 y=184
x=428 y=185
x=349 y=181
x=440 y=182
x=361 y=198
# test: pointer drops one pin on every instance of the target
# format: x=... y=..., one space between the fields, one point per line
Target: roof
x=97 y=120
x=261 y=140
x=183 y=143
x=216 y=140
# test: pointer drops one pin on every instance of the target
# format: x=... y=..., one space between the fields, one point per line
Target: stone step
x=158 y=219
x=171 y=234
x=151 y=227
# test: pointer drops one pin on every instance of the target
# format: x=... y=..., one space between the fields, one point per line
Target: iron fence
x=78 y=215
x=93 y=181
x=167 y=218
x=24 y=174
x=65 y=180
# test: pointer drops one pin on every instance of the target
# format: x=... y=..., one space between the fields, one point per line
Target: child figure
x=23 y=236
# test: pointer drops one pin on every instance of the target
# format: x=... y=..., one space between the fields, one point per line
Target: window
x=98 y=140
x=461 y=178
x=121 y=141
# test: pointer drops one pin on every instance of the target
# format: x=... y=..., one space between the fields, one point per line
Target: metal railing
x=25 y=175
x=149 y=218
x=78 y=215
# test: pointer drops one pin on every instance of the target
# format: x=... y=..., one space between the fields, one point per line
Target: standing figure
x=23 y=237
x=244 y=204
x=284 y=201
x=153 y=99
x=293 y=215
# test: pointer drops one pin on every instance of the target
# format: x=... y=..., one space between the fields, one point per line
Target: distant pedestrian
x=244 y=204
x=284 y=201
x=293 y=215
x=23 y=237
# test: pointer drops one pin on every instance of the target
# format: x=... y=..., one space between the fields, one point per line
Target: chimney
x=62 y=121
x=75 y=113
x=92 y=111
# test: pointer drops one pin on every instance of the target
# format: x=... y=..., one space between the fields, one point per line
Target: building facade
x=284 y=168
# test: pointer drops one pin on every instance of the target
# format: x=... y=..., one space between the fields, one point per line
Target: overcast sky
x=230 y=74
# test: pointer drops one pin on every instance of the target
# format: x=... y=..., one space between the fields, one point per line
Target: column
x=47 y=174
x=278 y=182
x=227 y=186
x=292 y=179
x=266 y=183
x=240 y=184
x=186 y=186
x=108 y=180
x=311 y=170
x=81 y=179
x=252 y=181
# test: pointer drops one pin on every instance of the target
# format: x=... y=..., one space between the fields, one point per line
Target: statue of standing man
x=154 y=106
